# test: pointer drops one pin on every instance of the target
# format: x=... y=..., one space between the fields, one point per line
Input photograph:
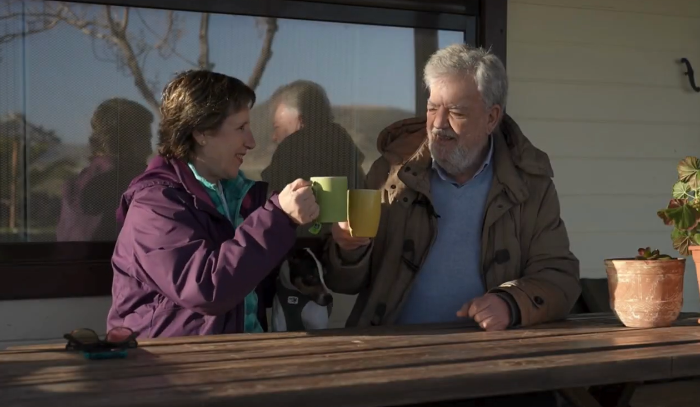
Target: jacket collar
x=416 y=172
x=192 y=186
x=253 y=197
x=513 y=155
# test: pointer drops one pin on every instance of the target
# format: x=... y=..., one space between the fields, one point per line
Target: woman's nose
x=250 y=140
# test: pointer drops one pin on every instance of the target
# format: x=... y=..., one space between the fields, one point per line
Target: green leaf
x=696 y=239
x=680 y=214
x=682 y=240
x=689 y=171
x=681 y=190
x=649 y=254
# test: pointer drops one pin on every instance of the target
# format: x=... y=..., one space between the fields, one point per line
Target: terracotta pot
x=646 y=293
x=695 y=251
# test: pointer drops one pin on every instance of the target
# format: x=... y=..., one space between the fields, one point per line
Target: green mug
x=332 y=197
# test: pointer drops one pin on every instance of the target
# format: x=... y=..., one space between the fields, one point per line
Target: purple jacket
x=87 y=204
x=180 y=267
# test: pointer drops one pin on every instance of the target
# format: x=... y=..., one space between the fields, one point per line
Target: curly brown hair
x=197 y=100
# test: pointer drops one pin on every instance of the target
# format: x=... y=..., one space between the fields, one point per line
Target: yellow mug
x=364 y=212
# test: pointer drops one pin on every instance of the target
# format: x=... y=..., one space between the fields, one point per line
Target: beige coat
x=525 y=247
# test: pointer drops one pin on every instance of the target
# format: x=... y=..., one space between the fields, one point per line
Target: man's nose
x=441 y=121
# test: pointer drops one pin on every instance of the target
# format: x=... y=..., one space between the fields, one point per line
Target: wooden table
x=359 y=367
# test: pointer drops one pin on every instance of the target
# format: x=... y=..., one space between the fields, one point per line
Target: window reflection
x=81 y=88
x=119 y=145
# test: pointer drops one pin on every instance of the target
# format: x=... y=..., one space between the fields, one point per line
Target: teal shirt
x=234 y=190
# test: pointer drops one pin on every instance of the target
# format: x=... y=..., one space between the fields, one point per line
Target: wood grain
x=363 y=367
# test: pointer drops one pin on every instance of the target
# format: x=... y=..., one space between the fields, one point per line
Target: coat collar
x=416 y=172
x=404 y=145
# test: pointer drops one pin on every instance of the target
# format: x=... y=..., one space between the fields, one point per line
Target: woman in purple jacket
x=198 y=240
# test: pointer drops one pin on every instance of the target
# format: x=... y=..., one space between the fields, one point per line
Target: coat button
x=408 y=169
x=405 y=199
x=393 y=187
x=539 y=300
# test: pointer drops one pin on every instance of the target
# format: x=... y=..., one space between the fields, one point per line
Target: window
x=80 y=87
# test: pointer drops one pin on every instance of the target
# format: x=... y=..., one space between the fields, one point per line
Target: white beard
x=454 y=162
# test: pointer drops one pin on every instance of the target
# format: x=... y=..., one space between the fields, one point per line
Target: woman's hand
x=298 y=202
x=341 y=235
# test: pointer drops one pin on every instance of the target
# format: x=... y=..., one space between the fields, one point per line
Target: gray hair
x=461 y=60
x=306 y=97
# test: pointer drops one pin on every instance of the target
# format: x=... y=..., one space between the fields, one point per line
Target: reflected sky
x=57 y=79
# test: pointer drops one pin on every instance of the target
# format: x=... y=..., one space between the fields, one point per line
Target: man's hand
x=490 y=311
x=341 y=235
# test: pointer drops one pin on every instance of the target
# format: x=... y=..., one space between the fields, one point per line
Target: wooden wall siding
x=596 y=84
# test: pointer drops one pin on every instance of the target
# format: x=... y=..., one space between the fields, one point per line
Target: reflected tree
x=124 y=36
x=116 y=39
x=43 y=178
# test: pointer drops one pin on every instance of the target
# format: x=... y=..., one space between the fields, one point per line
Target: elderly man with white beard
x=471 y=227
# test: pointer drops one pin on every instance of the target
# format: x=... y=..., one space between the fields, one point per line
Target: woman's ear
x=199 y=137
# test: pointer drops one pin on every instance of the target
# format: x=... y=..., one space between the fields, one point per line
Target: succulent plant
x=683 y=211
x=648 y=254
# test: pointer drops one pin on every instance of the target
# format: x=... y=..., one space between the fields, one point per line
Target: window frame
x=40 y=270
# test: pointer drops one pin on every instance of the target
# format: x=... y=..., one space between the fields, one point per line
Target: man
x=310 y=143
x=296 y=105
x=471 y=226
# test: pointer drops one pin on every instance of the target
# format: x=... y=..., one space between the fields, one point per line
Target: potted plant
x=683 y=211
x=646 y=291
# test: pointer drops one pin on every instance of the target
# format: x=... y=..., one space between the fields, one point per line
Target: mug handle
x=316 y=227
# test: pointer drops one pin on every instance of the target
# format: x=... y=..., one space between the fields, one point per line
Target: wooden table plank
x=313 y=359
x=241 y=367
x=438 y=333
x=329 y=344
x=364 y=387
x=393 y=366
x=584 y=323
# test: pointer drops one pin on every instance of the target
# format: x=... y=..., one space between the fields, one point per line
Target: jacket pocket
x=503 y=262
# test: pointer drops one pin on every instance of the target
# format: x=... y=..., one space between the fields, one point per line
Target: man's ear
x=495 y=113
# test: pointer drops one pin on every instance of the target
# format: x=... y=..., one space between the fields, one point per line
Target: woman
x=198 y=238
x=120 y=144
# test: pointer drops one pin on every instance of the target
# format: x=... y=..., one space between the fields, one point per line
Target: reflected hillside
x=362 y=122
x=50 y=162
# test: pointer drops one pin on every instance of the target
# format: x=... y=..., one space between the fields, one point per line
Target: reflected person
x=310 y=142
x=199 y=240
x=120 y=143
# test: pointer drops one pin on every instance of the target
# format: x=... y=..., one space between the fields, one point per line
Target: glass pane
x=81 y=87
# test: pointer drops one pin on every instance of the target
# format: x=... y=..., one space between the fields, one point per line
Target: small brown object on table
x=359 y=367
